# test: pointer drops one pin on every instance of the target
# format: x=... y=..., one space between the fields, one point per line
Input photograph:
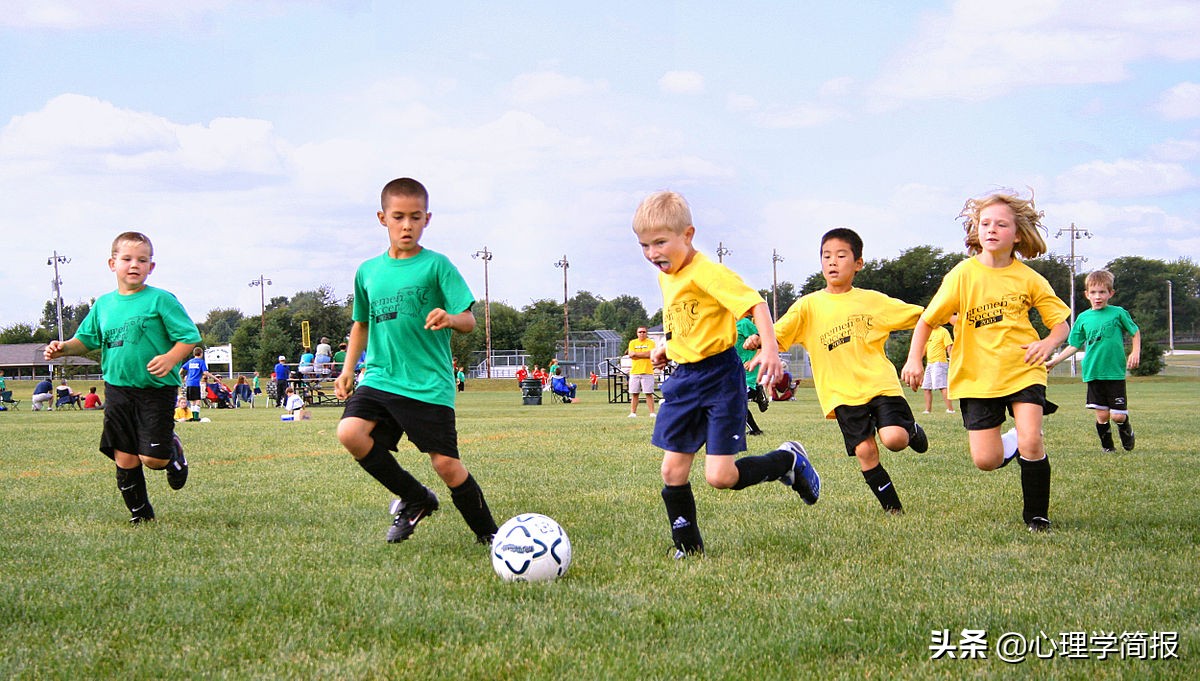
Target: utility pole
x=262 y=283
x=486 y=256
x=775 y=260
x=55 y=260
x=566 y=318
x=1170 y=320
x=722 y=251
x=1075 y=233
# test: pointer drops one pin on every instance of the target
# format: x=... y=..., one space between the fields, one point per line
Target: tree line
x=537 y=328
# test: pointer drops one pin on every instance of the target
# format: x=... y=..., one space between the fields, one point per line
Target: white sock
x=1009 y=442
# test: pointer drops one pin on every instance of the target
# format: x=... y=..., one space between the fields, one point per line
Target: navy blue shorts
x=704 y=404
x=429 y=426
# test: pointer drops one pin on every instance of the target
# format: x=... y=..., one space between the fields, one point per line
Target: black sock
x=1035 y=487
x=1104 y=430
x=750 y=424
x=881 y=485
x=132 y=484
x=770 y=466
x=383 y=467
x=681 y=513
x=1124 y=426
x=468 y=499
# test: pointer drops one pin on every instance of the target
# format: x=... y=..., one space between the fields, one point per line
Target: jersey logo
x=855 y=326
x=408 y=302
x=681 y=317
x=1013 y=306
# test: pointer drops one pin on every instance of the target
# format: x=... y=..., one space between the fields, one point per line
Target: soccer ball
x=531 y=548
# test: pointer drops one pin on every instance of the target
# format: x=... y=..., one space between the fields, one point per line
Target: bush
x=1152 y=362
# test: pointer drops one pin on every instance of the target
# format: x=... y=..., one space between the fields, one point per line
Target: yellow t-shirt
x=845 y=334
x=641 y=365
x=935 y=347
x=993 y=323
x=701 y=305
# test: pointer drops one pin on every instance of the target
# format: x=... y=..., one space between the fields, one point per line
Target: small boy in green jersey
x=144 y=334
x=1100 y=333
x=407 y=302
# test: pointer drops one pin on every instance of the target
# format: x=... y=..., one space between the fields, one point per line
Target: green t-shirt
x=745 y=329
x=1099 y=334
x=393 y=296
x=130 y=330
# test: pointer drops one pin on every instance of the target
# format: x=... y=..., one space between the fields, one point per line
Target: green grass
x=271 y=562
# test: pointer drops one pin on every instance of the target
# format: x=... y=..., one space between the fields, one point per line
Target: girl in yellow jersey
x=998 y=361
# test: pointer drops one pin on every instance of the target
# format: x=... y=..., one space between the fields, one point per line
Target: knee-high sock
x=681 y=513
x=468 y=499
x=132 y=484
x=881 y=485
x=382 y=466
x=1104 y=430
x=1035 y=487
x=755 y=469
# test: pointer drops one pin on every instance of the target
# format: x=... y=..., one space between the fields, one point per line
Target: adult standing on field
x=641 y=371
x=282 y=373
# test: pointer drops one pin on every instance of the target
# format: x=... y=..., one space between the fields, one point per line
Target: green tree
x=72 y=317
x=785 y=294
x=22 y=333
x=507 y=327
x=541 y=338
x=220 y=325
x=246 y=356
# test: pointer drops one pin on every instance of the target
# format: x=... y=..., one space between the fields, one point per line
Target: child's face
x=998 y=230
x=667 y=250
x=1098 y=296
x=838 y=265
x=133 y=263
x=405 y=218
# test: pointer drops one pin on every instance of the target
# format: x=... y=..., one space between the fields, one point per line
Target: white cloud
x=1177 y=150
x=1123 y=178
x=981 y=49
x=799 y=116
x=1181 y=101
x=82 y=14
x=740 y=103
x=542 y=86
x=681 y=83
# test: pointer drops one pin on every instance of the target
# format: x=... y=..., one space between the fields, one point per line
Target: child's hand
x=753 y=342
x=343 y=385
x=912 y=374
x=658 y=356
x=160 y=366
x=1037 y=352
x=1134 y=360
x=54 y=349
x=770 y=367
x=437 y=319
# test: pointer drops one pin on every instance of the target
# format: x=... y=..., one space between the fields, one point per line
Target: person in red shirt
x=92 y=400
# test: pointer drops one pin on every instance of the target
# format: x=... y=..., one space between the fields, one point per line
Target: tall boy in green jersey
x=143 y=334
x=407 y=302
x=1101 y=332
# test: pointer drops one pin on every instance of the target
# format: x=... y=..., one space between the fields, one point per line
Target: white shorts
x=641 y=383
x=936 y=376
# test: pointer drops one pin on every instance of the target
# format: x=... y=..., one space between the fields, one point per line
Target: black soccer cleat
x=1126 y=432
x=141 y=515
x=1038 y=524
x=802 y=478
x=408 y=515
x=917 y=440
x=759 y=394
x=177 y=469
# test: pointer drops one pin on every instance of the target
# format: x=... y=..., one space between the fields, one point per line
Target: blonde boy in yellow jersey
x=844 y=330
x=998 y=361
x=937 y=366
x=704 y=402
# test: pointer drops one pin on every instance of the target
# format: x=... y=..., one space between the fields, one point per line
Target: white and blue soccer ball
x=531 y=547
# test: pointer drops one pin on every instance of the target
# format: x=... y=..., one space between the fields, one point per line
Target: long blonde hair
x=1028 y=219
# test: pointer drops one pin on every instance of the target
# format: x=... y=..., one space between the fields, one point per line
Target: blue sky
x=252 y=138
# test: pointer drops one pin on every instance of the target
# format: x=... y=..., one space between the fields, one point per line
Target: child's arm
x=438 y=319
x=770 y=367
x=1135 y=352
x=1038 y=351
x=1063 y=354
x=56 y=349
x=343 y=385
x=913 y=372
x=161 y=365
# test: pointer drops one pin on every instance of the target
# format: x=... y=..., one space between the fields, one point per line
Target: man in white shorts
x=641 y=373
x=937 y=365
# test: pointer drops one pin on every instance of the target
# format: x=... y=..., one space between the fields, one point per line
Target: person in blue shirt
x=282 y=374
x=43 y=394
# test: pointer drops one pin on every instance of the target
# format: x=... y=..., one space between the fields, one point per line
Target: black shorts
x=429 y=426
x=193 y=393
x=983 y=413
x=860 y=422
x=138 y=421
x=1108 y=395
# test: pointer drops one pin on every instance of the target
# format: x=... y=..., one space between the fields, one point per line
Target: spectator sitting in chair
x=241 y=392
x=784 y=389
x=92 y=400
x=43 y=395
x=66 y=396
x=307 y=358
x=5 y=393
x=559 y=385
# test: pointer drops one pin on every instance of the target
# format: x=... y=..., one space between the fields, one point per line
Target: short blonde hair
x=132 y=238
x=1028 y=219
x=663 y=210
x=1100 y=278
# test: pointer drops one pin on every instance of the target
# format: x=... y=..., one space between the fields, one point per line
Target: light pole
x=775 y=260
x=262 y=283
x=722 y=251
x=1170 y=320
x=566 y=317
x=486 y=256
x=1076 y=233
x=54 y=260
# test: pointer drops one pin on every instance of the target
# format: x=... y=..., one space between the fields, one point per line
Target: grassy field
x=271 y=562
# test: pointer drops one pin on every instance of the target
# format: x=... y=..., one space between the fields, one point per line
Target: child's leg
x=131 y=482
x=987 y=449
x=876 y=476
x=680 y=502
x=1104 y=429
x=466 y=495
x=723 y=471
x=355 y=434
x=1035 y=465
